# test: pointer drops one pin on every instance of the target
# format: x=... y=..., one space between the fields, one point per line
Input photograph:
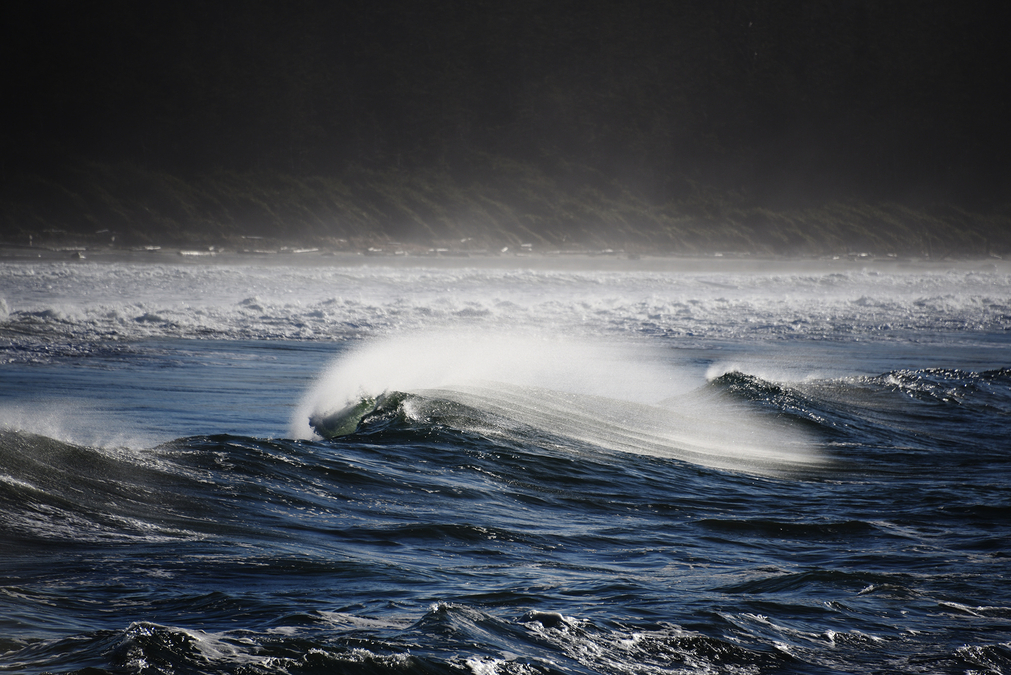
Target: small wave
x=774 y=529
x=252 y=303
x=789 y=583
x=56 y=491
x=978 y=610
x=949 y=385
x=992 y=658
x=448 y=638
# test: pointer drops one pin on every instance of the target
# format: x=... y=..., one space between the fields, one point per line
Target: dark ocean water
x=795 y=504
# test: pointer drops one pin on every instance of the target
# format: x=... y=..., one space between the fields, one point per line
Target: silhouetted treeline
x=781 y=103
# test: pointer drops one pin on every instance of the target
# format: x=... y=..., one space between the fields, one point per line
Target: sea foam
x=120 y=301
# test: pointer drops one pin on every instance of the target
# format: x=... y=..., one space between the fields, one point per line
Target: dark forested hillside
x=596 y=120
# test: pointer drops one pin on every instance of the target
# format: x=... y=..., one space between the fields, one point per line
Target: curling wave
x=616 y=397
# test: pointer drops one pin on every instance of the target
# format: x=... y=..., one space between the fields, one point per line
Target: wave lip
x=345 y=421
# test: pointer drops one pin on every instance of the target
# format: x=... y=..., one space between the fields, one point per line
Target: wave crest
x=620 y=397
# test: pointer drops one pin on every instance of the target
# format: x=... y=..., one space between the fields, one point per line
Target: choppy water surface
x=804 y=469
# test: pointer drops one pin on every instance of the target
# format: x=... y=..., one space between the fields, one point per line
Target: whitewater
x=504 y=464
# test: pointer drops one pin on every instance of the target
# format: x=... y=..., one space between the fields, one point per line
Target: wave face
x=521 y=491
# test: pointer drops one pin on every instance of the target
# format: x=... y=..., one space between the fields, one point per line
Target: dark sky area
x=778 y=103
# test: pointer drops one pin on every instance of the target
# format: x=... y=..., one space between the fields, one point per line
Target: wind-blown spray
x=619 y=396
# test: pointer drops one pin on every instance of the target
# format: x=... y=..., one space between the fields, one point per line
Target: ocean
x=547 y=464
